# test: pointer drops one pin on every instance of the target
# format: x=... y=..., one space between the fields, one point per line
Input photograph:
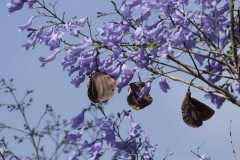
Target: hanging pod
x=101 y=87
x=132 y=97
x=195 y=112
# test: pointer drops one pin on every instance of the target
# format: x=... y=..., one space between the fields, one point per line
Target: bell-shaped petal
x=126 y=78
x=78 y=120
x=106 y=131
x=27 y=25
x=48 y=59
x=74 y=137
x=15 y=5
x=218 y=101
x=144 y=91
x=163 y=84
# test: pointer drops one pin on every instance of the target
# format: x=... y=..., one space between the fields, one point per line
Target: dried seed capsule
x=132 y=98
x=195 y=112
x=101 y=87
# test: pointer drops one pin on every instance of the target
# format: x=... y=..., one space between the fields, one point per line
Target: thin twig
x=231 y=140
x=233 y=44
x=185 y=82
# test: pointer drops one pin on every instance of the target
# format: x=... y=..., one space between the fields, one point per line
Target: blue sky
x=162 y=120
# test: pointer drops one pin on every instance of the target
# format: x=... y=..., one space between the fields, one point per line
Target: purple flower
x=87 y=58
x=200 y=59
x=144 y=91
x=33 y=40
x=112 y=33
x=74 y=54
x=154 y=31
x=163 y=84
x=31 y=3
x=48 y=59
x=106 y=131
x=73 y=137
x=113 y=69
x=237 y=88
x=134 y=3
x=214 y=67
x=215 y=99
x=126 y=78
x=76 y=121
x=127 y=147
x=147 y=156
x=75 y=26
x=27 y=25
x=137 y=36
x=207 y=4
x=149 y=148
x=222 y=9
x=53 y=41
x=117 y=52
x=78 y=80
x=144 y=16
x=126 y=12
x=95 y=148
x=15 y=5
x=135 y=127
x=141 y=57
x=163 y=51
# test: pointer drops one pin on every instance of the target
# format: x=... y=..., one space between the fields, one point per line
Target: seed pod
x=101 y=87
x=195 y=112
x=132 y=98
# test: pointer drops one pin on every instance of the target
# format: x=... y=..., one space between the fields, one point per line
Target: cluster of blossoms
x=146 y=34
x=75 y=142
x=158 y=36
x=108 y=137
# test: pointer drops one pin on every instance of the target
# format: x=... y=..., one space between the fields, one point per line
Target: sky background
x=162 y=120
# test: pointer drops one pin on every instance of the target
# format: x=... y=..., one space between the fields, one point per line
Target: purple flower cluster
x=215 y=99
x=145 y=33
x=15 y=5
x=108 y=137
x=52 y=37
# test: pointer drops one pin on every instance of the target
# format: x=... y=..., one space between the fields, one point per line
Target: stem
x=219 y=89
x=185 y=82
x=233 y=44
x=49 y=11
x=25 y=119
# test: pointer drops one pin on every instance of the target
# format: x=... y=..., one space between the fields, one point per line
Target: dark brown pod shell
x=195 y=112
x=132 y=97
x=101 y=87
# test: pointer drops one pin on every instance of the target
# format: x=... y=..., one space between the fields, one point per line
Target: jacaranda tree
x=192 y=42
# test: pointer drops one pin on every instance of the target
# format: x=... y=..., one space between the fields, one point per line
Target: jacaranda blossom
x=78 y=120
x=163 y=84
x=218 y=101
x=15 y=5
x=27 y=25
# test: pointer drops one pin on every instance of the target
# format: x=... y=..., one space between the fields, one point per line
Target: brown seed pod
x=101 y=87
x=195 y=112
x=132 y=97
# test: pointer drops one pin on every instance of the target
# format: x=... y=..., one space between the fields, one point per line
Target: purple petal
x=48 y=59
x=76 y=121
x=25 y=26
x=163 y=84
x=15 y=5
x=126 y=78
x=144 y=91
x=73 y=137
